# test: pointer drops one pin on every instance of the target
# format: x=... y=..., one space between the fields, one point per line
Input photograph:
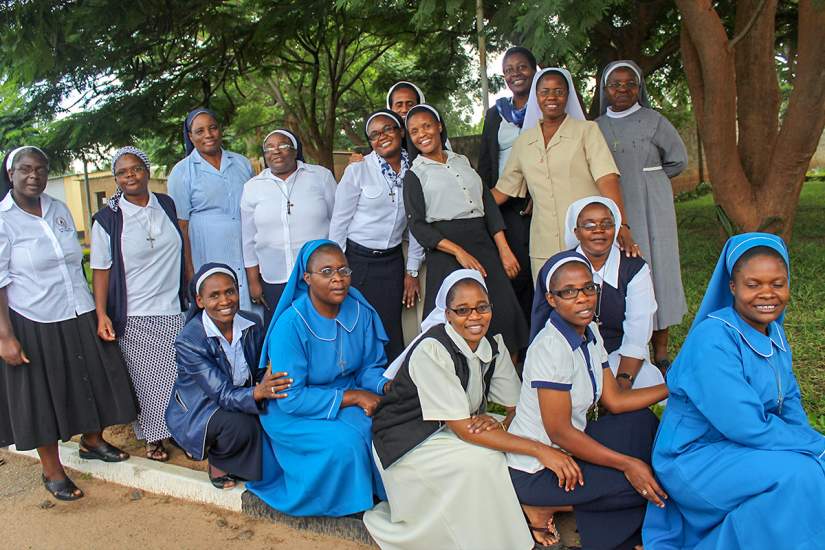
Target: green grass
x=700 y=242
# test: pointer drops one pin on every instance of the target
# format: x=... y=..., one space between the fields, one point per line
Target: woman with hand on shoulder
x=735 y=451
x=220 y=390
x=441 y=455
x=454 y=217
x=137 y=258
x=369 y=223
x=283 y=207
x=566 y=378
x=57 y=378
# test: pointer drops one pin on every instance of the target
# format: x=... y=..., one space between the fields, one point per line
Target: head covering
x=205 y=271
x=718 y=295
x=397 y=120
x=423 y=107
x=187 y=126
x=128 y=150
x=438 y=316
x=573 y=108
x=8 y=163
x=541 y=309
x=404 y=84
x=572 y=218
x=643 y=99
x=296 y=287
x=299 y=148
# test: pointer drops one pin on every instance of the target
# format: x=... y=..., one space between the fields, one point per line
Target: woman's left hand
x=412 y=291
x=483 y=423
x=627 y=243
x=509 y=262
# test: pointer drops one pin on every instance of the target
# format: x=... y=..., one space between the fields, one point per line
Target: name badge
x=63 y=225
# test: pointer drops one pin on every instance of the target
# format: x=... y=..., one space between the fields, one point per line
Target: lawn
x=700 y=242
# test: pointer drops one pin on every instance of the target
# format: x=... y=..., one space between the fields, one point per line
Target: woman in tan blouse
x=559 y=158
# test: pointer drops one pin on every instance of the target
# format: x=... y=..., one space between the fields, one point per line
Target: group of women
x=319 y=404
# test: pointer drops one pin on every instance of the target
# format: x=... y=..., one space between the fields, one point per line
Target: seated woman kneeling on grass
x=566 y=378
x=220 y=391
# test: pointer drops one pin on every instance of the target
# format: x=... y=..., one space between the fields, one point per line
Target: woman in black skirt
x=453 y=216
x=57 y=378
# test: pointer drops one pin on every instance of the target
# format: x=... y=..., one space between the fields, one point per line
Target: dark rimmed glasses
x=464 y=311
x=590 y=289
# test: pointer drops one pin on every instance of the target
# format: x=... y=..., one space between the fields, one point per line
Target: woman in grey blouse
x=453 y=216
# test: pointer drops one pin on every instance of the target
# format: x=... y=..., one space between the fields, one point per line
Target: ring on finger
x=644 y=492
x=273 y=390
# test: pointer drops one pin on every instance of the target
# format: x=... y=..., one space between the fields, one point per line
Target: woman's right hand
x=468 y=261
x=563 y=465
x=105 y=330
x=256 y=292
x=355 y=157
x=361 y=398
x=640 y=476
x=12 y=352
x=271 y=386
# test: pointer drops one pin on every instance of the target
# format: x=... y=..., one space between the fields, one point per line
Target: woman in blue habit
x=734 y=451
x=317 y=454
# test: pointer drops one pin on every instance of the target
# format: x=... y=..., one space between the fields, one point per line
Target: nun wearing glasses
x=282 y=208
x=649 y=153
x=369 y=222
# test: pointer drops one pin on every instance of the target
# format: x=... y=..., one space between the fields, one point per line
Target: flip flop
x=62 y=489
x=104 y=452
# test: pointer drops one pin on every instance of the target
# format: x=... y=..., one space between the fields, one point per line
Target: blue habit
x=317 y=455
x=734 y=451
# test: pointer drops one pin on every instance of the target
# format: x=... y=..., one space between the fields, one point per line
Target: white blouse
x=151 y=250
x=279 y=216
x=370 y=212
x=40 y=262
x=507 y=134
x=452 y=191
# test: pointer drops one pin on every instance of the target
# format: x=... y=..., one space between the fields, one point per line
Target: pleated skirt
x=75 y=383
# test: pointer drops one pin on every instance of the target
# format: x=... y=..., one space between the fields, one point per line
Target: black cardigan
x=488 y=152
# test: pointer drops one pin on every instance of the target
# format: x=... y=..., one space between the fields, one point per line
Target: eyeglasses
x=29 y=170
x=592 y=226
x=481 y=309
x=137 y=170
x=547 y=92
x=282 y=148
x=630 y=85
x=329 y=272
x=590 y=289
x=385 y=131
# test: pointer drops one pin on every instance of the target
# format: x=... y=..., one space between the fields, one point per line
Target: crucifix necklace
x=150 y=238
x=616 y=142
x=287 y=196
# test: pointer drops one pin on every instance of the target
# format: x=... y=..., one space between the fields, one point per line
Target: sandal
x=62 y=489
x=104 y=452
x=545 y=530
x=156 y=451
x=221 y=482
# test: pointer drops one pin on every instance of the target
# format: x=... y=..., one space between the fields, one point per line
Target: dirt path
x=113 y=516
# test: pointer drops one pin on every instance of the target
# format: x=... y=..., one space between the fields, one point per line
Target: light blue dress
x=210 y=200
x=734 y=451
x=317 y=458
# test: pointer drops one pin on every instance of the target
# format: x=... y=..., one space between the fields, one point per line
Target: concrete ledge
x=350 y=527
x=152 y=476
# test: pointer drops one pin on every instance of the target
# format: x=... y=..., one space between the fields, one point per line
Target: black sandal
x=153 y=449
x=62 y=489
x=221 y=482
x=105 y=452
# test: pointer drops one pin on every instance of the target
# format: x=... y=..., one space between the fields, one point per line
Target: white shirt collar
x=131 y=209
x=8 y=202
x=610 y=270
x=483 y=352
x=621 y=114
x=421 y=159
x=239 y=324
x=301 y=166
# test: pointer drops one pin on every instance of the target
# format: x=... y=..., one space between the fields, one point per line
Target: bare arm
x=619 y=400
x=463 y=257
x=610 y=187
x=256 y=289
x=10 y=349
x=628 y=365
x=499 y=197
x=508 y=259
x=100 y=287
x=188 y=268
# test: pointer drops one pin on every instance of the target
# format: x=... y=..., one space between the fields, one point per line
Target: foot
x=62 y=488
x=156 y=451
x=100 y=451
x=221 y=479
x=541 y=524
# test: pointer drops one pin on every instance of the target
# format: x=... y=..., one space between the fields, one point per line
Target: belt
x=651 y=168
x=364 y=251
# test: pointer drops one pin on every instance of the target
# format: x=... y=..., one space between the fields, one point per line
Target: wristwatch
x=629 y=377
x=412 y=273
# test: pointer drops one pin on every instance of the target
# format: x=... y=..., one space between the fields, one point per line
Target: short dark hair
x=326 y=247
x=403 y=86
x=520 y=50
x=754 y=252
x=461 y=283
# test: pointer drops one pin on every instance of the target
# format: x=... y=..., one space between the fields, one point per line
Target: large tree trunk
x=758 y=177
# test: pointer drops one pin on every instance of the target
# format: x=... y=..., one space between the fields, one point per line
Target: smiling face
x=402 y=100
x=552 y=94
x=518 y=74
x=387 y=134
x=206 y=134
x=29 y=175
x=281 y=162
x=218 y=296
x=578 y=311
x=425 y=132
x=132 y=176
x=622 y=89
x=329 y=291
x=473 y=326
x=596 y=242
x=760 y=289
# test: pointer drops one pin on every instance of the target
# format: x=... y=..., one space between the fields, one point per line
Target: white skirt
x=448 y=494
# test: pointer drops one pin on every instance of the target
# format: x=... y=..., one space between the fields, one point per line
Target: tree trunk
x=758 y=177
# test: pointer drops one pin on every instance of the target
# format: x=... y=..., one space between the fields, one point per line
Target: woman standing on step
x=57 y=378
x=137 y=262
